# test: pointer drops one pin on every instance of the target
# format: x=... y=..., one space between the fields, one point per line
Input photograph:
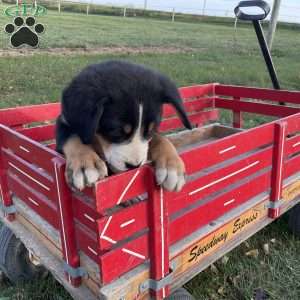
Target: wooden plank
x=196 y=91
x=122 y=224
x=49 y=236
x=127 y=285
x=123 y=259
x=27 y=149
x=158 y=238
x=87 y=241
x=293 y=125
x=85 y=212
x=197 y=119
x=116 y=189
x=227 y=148
x=258 y=93
x=291 y=166
x=189 y=106
x=39 y=133
x=210 y=211
x=277 y=166
x=292 y=145
x=49 y=256
x=199 y=250
x=28 y=114
x=39 y=180
x=186 y=223
x=257 y=108
x=36 y=201
x=218 y=179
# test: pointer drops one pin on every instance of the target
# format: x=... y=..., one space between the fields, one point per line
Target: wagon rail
x=238 y=180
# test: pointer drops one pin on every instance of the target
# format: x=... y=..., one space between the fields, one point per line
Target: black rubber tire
x=14 y=259
x=181 y=294
x=294 y=220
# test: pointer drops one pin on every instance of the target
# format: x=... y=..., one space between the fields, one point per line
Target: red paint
x=21 y=115
x=65 y=215
x=197 y=119
x=258 y=93
x=278 y=161
x=257 y=108
x=135 y=235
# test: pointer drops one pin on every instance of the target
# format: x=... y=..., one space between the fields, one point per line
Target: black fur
x=106 y=96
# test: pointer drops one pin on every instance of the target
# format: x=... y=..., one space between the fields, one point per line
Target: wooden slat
x=38 y=202
x=227 y=147
x=219 y=179
x=87 y=241
x=190 y=106
x=292 y=145
x=257 y=108
x=293 y=125
x=39 y=133
x=123 y=259
x=291 y=166
x=206 y=213
x=27 y=149
x=196 y=91
x=29 y=174
x=120 y=188
x=28 y=114
x=197 y=119
x=122 y=224
x=85 y=213
x=258 y=93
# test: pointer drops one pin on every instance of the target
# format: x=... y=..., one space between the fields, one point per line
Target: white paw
x=170 y=178
x=85 y=172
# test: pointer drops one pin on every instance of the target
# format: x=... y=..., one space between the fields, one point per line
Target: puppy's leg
x=169 y=167
x=84 y=166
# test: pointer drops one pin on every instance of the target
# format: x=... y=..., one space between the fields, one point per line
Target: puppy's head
x=121 y=104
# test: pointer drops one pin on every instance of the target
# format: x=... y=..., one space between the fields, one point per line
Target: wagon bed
x=238 y=181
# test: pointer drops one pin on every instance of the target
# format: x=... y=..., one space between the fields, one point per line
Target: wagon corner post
x=277 y=170
x=71 y=265
x=6 y=203
x=159 y=240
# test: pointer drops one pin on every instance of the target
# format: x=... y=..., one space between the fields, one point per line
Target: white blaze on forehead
x=133 y=152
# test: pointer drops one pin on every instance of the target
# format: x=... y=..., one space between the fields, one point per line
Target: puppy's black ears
x=171 y=95
x=82 y=112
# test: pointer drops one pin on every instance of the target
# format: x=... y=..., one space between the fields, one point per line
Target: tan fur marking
x=170 y=169
x=84 y=166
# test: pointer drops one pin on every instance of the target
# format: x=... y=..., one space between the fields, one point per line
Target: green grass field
x=210 y=53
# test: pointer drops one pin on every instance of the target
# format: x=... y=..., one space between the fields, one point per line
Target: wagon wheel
x=294 y=220
x=15 y=260
x=180 y=294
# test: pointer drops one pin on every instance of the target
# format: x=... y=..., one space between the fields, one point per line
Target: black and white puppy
x=109 y=120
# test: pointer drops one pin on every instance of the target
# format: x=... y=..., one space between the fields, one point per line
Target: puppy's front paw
x=170 y=172
x=84 y=168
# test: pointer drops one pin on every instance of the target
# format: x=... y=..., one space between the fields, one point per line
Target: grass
x=214 y=53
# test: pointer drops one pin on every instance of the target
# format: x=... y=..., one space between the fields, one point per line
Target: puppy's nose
x=131 y=166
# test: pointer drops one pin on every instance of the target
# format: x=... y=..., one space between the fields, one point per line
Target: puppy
x=109 y=120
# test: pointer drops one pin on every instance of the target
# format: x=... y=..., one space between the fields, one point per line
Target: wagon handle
x=260 y=34
x=251 y=17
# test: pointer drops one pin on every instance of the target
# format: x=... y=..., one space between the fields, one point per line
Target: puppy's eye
x=127 y=129
x=151 y=127
x=150 y=131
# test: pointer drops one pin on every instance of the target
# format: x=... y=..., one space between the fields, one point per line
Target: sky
x=290 y=9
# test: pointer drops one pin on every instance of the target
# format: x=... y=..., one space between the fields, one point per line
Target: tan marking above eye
x=127 y=128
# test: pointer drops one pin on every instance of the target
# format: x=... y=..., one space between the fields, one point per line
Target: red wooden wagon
x=239 y=180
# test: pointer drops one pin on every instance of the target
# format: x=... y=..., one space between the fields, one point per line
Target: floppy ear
x=82 y=110
x=171 y=95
